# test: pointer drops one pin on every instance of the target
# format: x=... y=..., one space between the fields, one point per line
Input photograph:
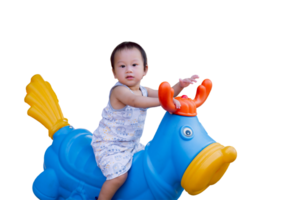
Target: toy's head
x=129 y=58
x=199 y=159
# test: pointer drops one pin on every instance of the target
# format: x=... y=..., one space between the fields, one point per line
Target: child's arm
x=123 y=95
x=149 y=102
x=146 y=102
x=178 y=90
x=126 y=97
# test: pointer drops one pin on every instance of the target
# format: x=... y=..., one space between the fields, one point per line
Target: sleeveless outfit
x=117 y=138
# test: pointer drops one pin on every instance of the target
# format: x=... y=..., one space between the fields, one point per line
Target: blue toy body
x=70 y=170
x=180 y=156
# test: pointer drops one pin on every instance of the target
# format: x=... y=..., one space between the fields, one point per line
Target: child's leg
x=110 y=187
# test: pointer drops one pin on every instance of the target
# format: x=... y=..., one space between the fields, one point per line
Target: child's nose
x=129 y=69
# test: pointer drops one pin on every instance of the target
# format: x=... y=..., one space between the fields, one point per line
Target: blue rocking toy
x=180 y=156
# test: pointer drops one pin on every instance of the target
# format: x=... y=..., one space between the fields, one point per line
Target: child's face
x=129 y=68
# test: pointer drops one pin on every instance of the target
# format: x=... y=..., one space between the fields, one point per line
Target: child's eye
x=122 y=66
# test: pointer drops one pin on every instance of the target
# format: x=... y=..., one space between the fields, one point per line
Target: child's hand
x=175 y=101
x=177 y=104
x=186 y=82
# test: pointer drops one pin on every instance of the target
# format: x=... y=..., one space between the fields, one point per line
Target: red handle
x=189 y=106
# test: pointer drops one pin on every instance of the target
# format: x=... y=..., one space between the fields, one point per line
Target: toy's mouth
x=207 y=168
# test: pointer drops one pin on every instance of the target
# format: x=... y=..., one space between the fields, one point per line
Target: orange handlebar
x=189 y=105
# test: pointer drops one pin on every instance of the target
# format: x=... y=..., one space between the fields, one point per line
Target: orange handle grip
x=188 y=106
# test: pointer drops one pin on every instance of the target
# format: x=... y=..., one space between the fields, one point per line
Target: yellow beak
x=207 y=168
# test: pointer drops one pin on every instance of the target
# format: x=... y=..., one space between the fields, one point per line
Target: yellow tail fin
x=44 y=105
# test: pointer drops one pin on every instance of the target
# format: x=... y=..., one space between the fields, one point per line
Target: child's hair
x=128 y=45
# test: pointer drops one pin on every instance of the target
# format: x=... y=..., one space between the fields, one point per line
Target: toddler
x=117 y=138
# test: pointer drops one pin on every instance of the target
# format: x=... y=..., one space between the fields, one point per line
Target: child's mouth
x=129 y=77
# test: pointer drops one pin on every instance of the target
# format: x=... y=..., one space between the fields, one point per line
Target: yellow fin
x=44 y=105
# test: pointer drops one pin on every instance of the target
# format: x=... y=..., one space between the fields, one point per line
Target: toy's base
x=41 y=196
x=45 y=186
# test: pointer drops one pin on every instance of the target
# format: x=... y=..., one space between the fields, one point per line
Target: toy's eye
x=187 y=132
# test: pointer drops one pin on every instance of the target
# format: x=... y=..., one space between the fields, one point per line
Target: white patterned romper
x=117 y=138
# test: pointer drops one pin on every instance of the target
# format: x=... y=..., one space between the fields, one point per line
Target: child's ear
x=147 y=70
x=113 y=71
x=112 y=75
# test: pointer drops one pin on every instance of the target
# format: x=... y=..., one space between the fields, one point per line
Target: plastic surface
x=44 y=105
x=207 y=168
x=168 y=164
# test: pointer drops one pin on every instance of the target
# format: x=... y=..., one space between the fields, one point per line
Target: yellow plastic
x=207 y=168
x=44 y=105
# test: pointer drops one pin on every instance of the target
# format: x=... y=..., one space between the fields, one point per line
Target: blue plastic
x=71 y=173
